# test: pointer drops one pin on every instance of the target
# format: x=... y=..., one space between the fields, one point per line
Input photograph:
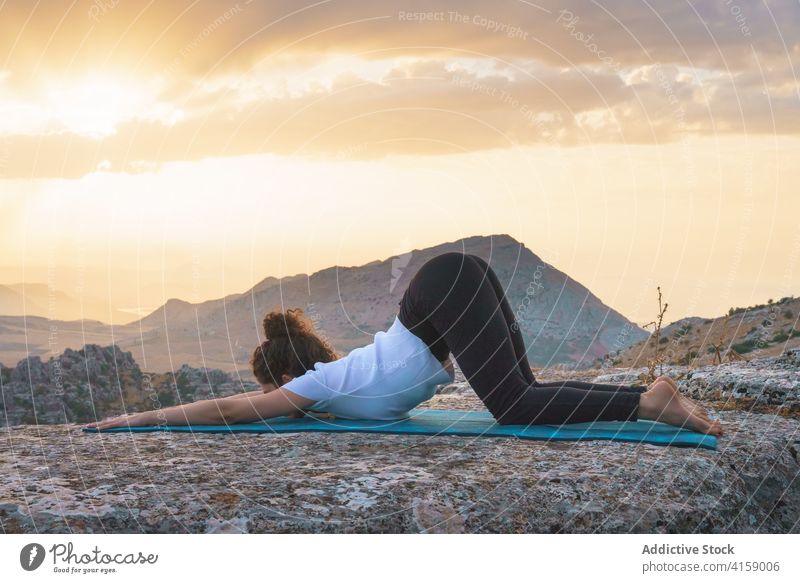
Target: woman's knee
x=448 y=258
x=448 y=267
x=481 y=263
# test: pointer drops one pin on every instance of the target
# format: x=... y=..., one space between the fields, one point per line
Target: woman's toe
x=698 y=424
x=715 y=428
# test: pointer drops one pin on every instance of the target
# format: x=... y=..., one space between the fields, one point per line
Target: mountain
x=562 y=321
x=763 y=330
x=39 y=299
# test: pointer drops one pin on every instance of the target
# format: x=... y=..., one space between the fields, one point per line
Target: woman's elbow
x=251 y=410
x=230 y=411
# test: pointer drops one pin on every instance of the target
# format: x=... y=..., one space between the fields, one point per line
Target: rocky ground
x=59 y=479
x=763 y=385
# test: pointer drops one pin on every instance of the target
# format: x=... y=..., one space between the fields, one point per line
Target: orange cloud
x=419 y=77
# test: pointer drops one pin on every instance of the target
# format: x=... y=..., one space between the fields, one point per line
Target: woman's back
x=383 y=380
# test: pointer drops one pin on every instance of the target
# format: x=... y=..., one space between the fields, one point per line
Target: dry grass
x=658 y=354
x=723 y=350
x=719 y=346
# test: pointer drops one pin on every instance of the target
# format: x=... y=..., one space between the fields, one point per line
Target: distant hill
x=562 y=321
x=762 y=330
x=38 y=299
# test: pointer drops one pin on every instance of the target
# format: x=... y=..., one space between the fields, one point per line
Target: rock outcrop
x=58 y=479
x=82 y=385
x=767 y=384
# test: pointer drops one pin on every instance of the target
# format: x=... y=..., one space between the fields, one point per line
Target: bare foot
x=662 y=403
x=693 y=406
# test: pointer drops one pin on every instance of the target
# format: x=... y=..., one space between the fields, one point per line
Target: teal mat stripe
x=464 y=423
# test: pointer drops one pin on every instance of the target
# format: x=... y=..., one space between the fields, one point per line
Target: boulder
x=768 y=384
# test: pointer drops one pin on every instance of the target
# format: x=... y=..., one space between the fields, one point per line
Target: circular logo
x=31 y=556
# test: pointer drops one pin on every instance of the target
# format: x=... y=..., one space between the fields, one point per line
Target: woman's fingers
x=111 y=422
x=96 y=424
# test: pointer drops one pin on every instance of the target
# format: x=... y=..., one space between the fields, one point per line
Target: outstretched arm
x=222 y=411
x=298 y=414
x=244 y=395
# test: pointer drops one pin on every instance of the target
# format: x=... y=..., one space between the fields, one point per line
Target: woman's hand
x=131 y=420
x=222 y=411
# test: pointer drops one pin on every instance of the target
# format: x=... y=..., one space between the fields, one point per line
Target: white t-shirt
x=383 y=380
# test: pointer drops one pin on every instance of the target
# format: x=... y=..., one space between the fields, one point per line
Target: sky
x=189 y=149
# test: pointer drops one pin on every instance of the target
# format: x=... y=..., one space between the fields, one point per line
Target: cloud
x=362 y=80
x=207 y=37
x=427 y=107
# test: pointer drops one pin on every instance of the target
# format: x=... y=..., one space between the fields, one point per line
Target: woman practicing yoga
x=453 y=305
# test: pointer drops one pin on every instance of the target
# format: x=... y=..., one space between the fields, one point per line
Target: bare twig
x=658 y=356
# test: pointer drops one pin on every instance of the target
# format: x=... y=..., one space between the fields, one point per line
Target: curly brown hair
x=292 y=347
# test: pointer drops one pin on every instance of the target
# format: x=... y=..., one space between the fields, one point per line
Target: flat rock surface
x=58 y=479
x=766 y=385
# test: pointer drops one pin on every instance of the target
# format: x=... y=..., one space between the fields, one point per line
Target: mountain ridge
x=349 y=303
x=561 y=320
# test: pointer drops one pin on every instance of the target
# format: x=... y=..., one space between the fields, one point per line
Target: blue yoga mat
x=469 y=423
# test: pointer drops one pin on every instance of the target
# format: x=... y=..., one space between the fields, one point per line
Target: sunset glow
x=260 y=139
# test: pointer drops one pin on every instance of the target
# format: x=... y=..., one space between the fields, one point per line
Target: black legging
x=455 y=303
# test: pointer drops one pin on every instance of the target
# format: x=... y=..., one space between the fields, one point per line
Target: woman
x=291 y=348
x=454 y=304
